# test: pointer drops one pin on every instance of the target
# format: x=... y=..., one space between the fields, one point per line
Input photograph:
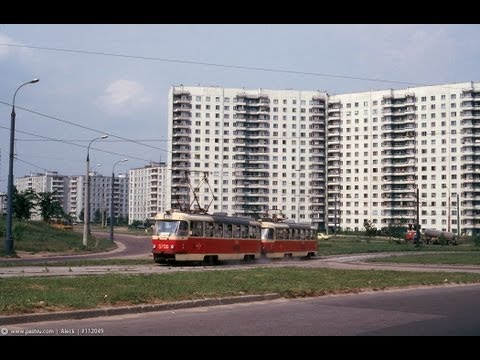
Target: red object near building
x=410 y=235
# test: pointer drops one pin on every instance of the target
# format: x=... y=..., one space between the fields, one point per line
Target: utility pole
x=449 y=212
x=86 y=207
x=417 y=235
x=458 y=216
x=8 y=244
x=335 y=217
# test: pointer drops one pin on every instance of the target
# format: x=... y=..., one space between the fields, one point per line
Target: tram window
x=236 y=231
x=244 y=231
x=302 y=234
x=280 y=234
x=218 y=230
x=183 y=228
x=253 y=230
x=197 y=228
x=208 y=229
x=227 y=231
x=167 y=227
x=267 y=234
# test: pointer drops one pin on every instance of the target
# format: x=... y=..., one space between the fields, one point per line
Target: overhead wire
x=78 y=145
x=191 y=62
x=83 y=126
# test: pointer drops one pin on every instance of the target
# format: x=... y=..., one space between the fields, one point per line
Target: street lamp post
x=86 y=207
x=8 y=246
x=112 y=211
x=449 y=211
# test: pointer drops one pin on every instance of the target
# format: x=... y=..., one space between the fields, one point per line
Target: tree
x=49 y=206
x=97 y=216
x=370 y=228
x=23 y=203
x=397 y=232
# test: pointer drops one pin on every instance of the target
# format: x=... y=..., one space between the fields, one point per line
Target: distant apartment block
x=100 y=196
x=3 y=204
x=45 y=182
x=146 y=191
x=333 y=160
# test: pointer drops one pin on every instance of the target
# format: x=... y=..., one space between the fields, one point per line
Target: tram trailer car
x=182 y=236
x=287 y=240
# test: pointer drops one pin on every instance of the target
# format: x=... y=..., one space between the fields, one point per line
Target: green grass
x=37 y=236
x=27 y=295
x=85 y=262
x=351 y=245
x=447 y=258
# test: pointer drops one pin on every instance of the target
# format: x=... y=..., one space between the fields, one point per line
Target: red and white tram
x=180 y=236
x=286 y=240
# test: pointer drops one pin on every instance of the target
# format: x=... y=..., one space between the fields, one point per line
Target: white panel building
x=333 y=160
x=263 y=151
x=46 y=182
x=146 y=191
x=3 y=204
x=100 y=196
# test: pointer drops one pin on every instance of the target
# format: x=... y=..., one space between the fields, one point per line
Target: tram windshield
x=267 y=234
x=172 y=227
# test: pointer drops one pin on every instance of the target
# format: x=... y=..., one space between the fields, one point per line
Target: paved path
x=355 y=261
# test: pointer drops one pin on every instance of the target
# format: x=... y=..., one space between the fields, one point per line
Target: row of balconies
x=182 y=115
x=252 y=149
x=249 y=141
x=250 y=125
x=243 y=157
x=180 y=149
x=181 y=139
x=471 y=94
x=251 y=117
x=316 y=118
x=248 y=183
x=251 y=174
x=248 y=110
x=317 y=184
x=181 y=97
x=390 y=195
x=474 y=114
x=252 y=133
x=249 y=99
x=250 y=166
x=179 y=106
x=398 y=129
x=177 y=123
x=470 y=159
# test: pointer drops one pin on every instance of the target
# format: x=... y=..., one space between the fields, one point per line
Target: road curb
x=112 y=311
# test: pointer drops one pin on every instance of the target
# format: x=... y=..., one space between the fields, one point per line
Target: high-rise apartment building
x=263 y=150
x=146 y=191
x=333 y=160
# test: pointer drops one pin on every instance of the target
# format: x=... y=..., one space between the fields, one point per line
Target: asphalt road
x=451 y=311
x=129 y=246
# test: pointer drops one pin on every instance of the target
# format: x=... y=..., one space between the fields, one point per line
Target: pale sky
x=127 y=97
